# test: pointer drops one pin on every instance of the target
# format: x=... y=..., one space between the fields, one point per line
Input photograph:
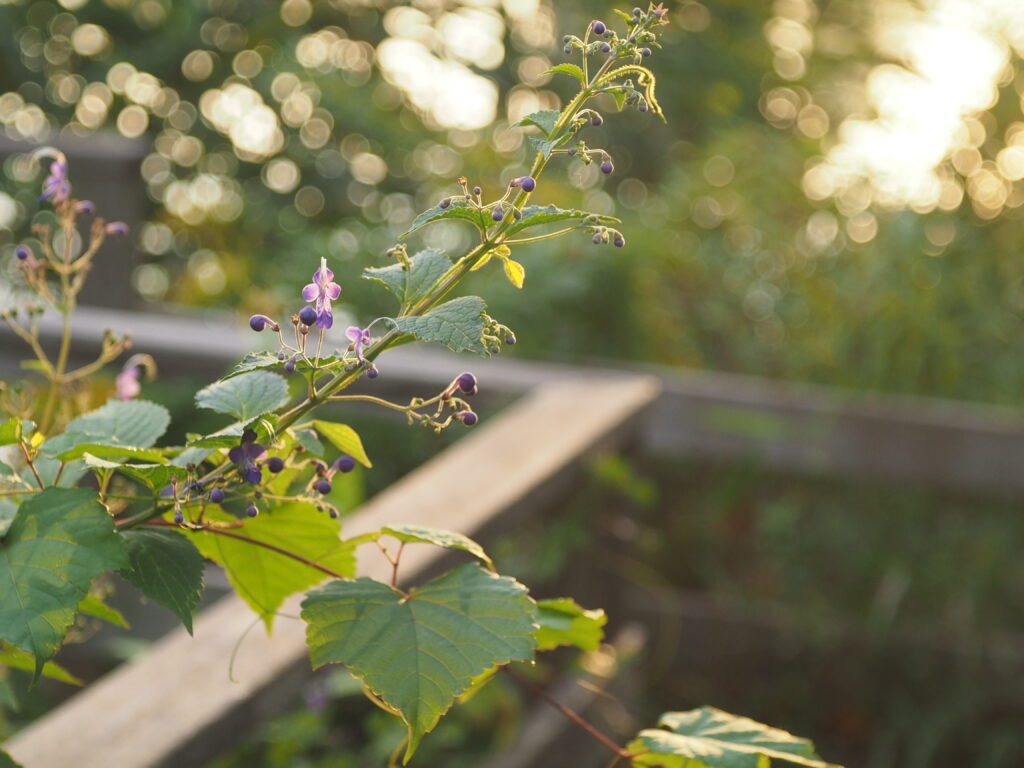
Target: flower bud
x=528 y=183
x=638 y=12
x=498 y=214
x=85 y=206
x=599 y=28
x=467 y=383
x=275 y=464
x=179 y=518
x=477 y=190
x=23 y=252
x=568 y=49
x=307 y=315
x=643 y=106
x=445 y=203
x=605 y=48
x=252 y=510
x=645 y=52
x=289 y=367
x=607 y=167
x=510 y=339
x=466 y=417
x=116 y=228
x=259 y=322
x=344 y=463
x=619 y=241
x=216 y=495
x=323 y=486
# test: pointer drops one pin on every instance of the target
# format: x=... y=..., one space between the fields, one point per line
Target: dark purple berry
x=467 y=383
x=605 y=48
x=566 y=38
x=252 y=510
x=445 y=203
x=599 y=28
x=607 y=167
x=638 y=12
x=528 y=183
x=498 y=214
x=323 y=486
x=257 y=322
x=619 y=241
x=281 y=356
x=333 y=513
x=510 y=339
x=344 y=463
x=372 y=373
x=216 y=495
x=596 y=239
x=307 y=316
x=468 y=418
x=289 y=367
x=275 y=464
x=643 y=106
x=22 y=252
x=645 y=52
x=568 y=49
x=178 y=517
x=477 y=190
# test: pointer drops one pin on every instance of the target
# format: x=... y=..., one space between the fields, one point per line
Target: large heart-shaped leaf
x=458 y=324
x=710 y=738
x=418 y=651
x=263 y=577
x=126 y=423
x=246 y=396
x=166 y=567
x=59 y=541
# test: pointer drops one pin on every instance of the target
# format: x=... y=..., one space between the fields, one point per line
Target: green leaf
x=568 y=69
x=411 y=283
x=167 y=568
x=458 y=324
x=229 y=436
x=102 y=451
x=254 y=361
x=540 y=144
x=131 y=424
x=156 y=476
x=10 y=431
x=91 y=605
x=19 y=659
x=418 y=651
x=307 y=439
x=6 y=762
x=710 y=738
x=344 y=438
x=245 y=396
x=8 y=510
x=535 y=215
x=60 y=539
x=545 y=120
x=457 y=209
x=264 y=578
x=515 y=272
x=436 y=536
x=563 y=622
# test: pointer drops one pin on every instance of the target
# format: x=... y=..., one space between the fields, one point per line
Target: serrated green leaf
x=245 y=396
x=457 y=209
x=254 y=361
x=568 y=69
x=564 y=622
x=167 y=568
x=535 y=215
x=156 y=476
x=131 y=424
x=19 y=659
x=541 y=144
x=544 y=119
x=710 y=738
x=102 y=451
x=439 y=537
x=60 y=539
x=344 y=438
x=264 y=578
x=232 y=433
x=458 y=324
x=10 y=431
x=91 y=605
x=515 y=272
x=413 y=282
x=418 y=651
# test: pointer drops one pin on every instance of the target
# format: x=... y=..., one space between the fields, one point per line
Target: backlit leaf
x=344 y=438
x=167 y=568
x=563 y=622
x=246 y=396
x=457 y=324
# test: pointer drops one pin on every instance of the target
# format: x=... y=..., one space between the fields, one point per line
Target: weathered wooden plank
x=175 y=705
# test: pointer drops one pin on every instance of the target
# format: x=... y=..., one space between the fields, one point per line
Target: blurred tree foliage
x=282 y=132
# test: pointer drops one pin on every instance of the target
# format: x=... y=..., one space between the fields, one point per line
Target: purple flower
x=56 y=186
x=127 y=382
x=360 y=337
x=118 y=228
x=246 y=454
x=323 y=290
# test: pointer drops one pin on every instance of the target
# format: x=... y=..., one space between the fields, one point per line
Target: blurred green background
x=836 y=197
